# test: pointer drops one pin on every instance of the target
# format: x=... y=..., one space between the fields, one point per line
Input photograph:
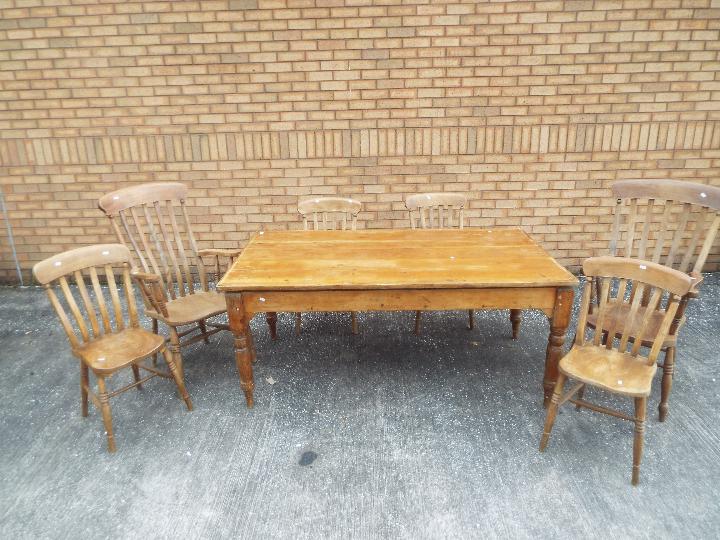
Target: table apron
x=400 y=299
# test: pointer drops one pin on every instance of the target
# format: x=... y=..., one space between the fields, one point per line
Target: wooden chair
x=616 y=364
x=110 y=343
x=445 y=211
x=329 y=214
x=174 y=281
x=672 y=223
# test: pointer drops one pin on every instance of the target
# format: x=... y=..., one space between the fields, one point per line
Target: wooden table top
x=393 y=259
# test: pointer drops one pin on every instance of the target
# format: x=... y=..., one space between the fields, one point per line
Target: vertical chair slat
x=462 y=218
x=630 y=234
x=584 y=308
x=70 y=299
x=678 y=236
x=603 y=302
x=180 y=246
x=131 y=237
x=112 y=287
x=645 y=229
x=635 y=301
x=171 y=254
x=694 y=239
x=662 y=233
x=154 y=236
x=200 y=265
x=100 y=300
x=619 y=300
x=709 y=239
x=89 y=308
x=143 y=241
x=130 y=294
x=64 y=320
x=664 y=329
x=615 y=236
x=655 y=297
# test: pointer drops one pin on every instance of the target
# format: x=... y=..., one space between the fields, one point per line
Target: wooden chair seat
x=188 y=309
x=609 y=369
x=111 y=352
x=618 y=313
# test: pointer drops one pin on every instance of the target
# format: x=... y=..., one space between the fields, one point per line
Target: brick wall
x=533 y=108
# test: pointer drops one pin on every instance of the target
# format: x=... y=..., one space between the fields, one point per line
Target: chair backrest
x=436 y=210
x=156 y=224
x=670 y=222
x=329 y=213
x=77 y=265
x=627 y=281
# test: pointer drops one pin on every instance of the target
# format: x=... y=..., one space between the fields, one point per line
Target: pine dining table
x=395 y=270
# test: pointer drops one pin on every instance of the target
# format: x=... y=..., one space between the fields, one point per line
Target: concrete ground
x=383 y=435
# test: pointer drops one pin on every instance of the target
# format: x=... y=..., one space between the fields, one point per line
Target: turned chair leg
x=417 y=322
x=136 y=375
x=667 y=380
x=155 y=331
x=175 y=352
x=271 y=319
x=353 y=321
x=640 y=412
x=84 y=389
x=515 y=319
x=552 y=411
x=471 y=319
x=298 y=323
x=580 y=394
x=203 y=329
x=105 y=410
x=178 y=379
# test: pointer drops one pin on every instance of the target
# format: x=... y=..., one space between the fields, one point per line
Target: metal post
x=3 y=211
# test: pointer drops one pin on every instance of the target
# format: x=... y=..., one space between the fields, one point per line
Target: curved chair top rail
x=124 y=198
x=669 y=190
x=329 y=204
x=423 y=200
x=657 y=275
x=65 y=263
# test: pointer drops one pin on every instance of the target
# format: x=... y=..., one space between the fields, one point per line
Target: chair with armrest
x=173 y=276
x=669 y=222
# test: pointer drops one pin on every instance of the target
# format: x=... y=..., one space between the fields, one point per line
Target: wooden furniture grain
x=445 y=211
x=173 y=277
x=673 y=223
x=100 y=336
x=394 y=270
x=615 y=363
x=329 y=214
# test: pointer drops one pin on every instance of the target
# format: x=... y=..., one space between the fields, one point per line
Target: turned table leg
x=244 y=349
x=558 y=328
